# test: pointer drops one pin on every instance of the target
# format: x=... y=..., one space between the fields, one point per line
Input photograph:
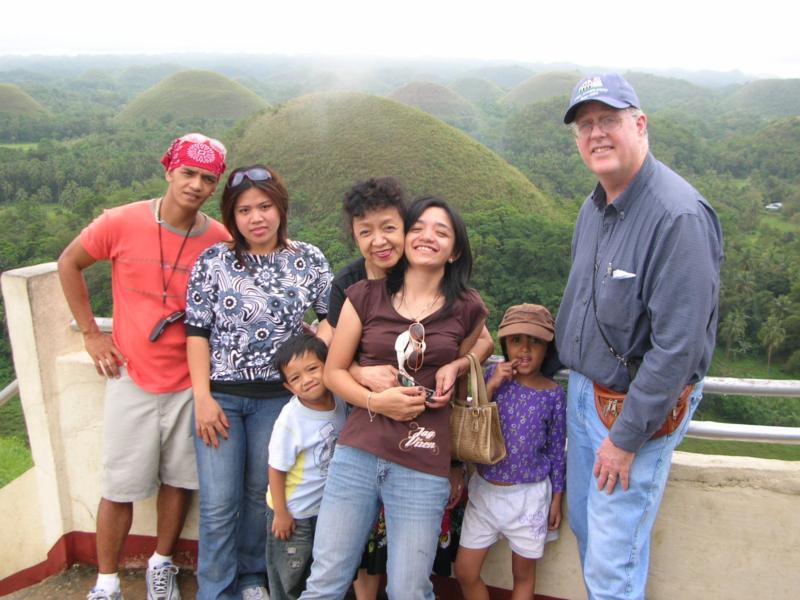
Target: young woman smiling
x=395 y=447
x=374 y=212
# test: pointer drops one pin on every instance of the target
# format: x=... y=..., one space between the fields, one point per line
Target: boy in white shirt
x=300 y=451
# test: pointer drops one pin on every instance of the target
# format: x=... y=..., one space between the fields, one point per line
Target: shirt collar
x=630 y=193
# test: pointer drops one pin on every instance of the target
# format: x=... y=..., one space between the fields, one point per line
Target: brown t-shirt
x=422 y=444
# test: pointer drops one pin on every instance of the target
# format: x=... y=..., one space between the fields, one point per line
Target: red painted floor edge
x=79 y=547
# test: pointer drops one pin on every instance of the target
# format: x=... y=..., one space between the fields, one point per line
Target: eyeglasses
x=607 y=124
x=199 y=138
x=406 y=380
x=254 y=174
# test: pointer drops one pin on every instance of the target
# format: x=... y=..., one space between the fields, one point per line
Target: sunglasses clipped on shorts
x=253 y=174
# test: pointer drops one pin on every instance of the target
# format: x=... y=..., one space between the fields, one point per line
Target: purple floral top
x=534 y=424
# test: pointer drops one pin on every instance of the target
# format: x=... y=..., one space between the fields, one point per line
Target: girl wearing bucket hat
x=519 y=497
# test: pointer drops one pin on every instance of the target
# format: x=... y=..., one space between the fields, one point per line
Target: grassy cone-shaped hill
x=14 y=101
x=656 y=92
x=434 y=99
x=506 y=76
x=194 y=94
x=541 y=87
x=323 y=143
x=477 y=90
x=769 y=97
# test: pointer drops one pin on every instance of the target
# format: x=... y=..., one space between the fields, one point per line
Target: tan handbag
x=475 y=423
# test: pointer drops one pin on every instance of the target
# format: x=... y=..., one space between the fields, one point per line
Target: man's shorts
x=147 y=440
x=517 y=512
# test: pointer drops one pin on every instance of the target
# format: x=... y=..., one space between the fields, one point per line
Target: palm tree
x=733 y=328
x=771 y=335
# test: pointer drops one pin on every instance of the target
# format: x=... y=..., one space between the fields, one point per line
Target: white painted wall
x=728 y=528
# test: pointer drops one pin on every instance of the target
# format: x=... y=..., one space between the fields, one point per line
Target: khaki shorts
x=517 y=512
x=147 y=440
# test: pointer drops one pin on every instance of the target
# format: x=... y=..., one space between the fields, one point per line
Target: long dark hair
x=457 y=273
x=276 y=191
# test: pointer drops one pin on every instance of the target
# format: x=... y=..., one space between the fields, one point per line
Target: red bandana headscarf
x=196 y=150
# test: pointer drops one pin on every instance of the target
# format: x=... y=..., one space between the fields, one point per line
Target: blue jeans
x=289 y=561
x=614 y=531
x=233 y=485
x=413 y=504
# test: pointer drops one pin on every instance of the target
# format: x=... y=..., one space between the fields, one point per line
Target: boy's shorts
x=147 y=440
x=517 y=512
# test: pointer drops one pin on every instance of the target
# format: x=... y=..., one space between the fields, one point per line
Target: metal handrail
x=8 y=392
x=104 y=323
x=12 y=389
x=752 y=387
x=709 y=430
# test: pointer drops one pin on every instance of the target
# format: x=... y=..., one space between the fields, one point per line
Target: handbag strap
x=477 y=384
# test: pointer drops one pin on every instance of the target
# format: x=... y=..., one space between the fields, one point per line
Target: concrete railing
x=727 y=527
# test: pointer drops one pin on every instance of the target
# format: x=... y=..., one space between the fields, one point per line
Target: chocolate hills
x=656 y=92
x=476 y=90
x=435 y=100
x=541 y=87
x=768 y=97
x=194 y=94
x=323 y=143
x=15 y=101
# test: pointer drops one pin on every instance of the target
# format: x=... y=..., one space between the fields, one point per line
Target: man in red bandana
x=147 y=431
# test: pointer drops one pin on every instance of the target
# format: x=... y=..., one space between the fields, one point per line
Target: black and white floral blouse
x=247 y=311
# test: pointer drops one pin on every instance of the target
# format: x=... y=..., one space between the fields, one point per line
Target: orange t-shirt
x=128 y=236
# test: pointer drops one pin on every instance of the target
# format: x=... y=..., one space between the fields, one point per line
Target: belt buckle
x=611 y=407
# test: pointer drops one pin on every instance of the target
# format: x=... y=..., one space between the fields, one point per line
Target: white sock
x=157 y=560
x=108 y=582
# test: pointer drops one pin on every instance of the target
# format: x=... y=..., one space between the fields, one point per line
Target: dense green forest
x=85 y=136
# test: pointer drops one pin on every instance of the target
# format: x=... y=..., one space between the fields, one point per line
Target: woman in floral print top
x=244 y=299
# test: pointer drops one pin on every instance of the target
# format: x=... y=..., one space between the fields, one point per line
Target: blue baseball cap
x=608 y=88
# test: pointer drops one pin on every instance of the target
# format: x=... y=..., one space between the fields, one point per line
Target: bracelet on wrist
x=369 y=409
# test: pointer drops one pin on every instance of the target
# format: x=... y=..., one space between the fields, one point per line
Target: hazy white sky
x=757 y=37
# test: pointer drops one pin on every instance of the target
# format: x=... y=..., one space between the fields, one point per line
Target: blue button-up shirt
x=654 y=254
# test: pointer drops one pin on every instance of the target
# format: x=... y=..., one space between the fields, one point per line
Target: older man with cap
x=147 y=429
x=636 y=327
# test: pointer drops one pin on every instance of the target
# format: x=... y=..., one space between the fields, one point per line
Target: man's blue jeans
x=233 y=486
x=613 y=531
x=413 y=503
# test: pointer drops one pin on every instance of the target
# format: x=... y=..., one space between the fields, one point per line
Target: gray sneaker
x=100 y=594
x=162 y=583
x=255 y=592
